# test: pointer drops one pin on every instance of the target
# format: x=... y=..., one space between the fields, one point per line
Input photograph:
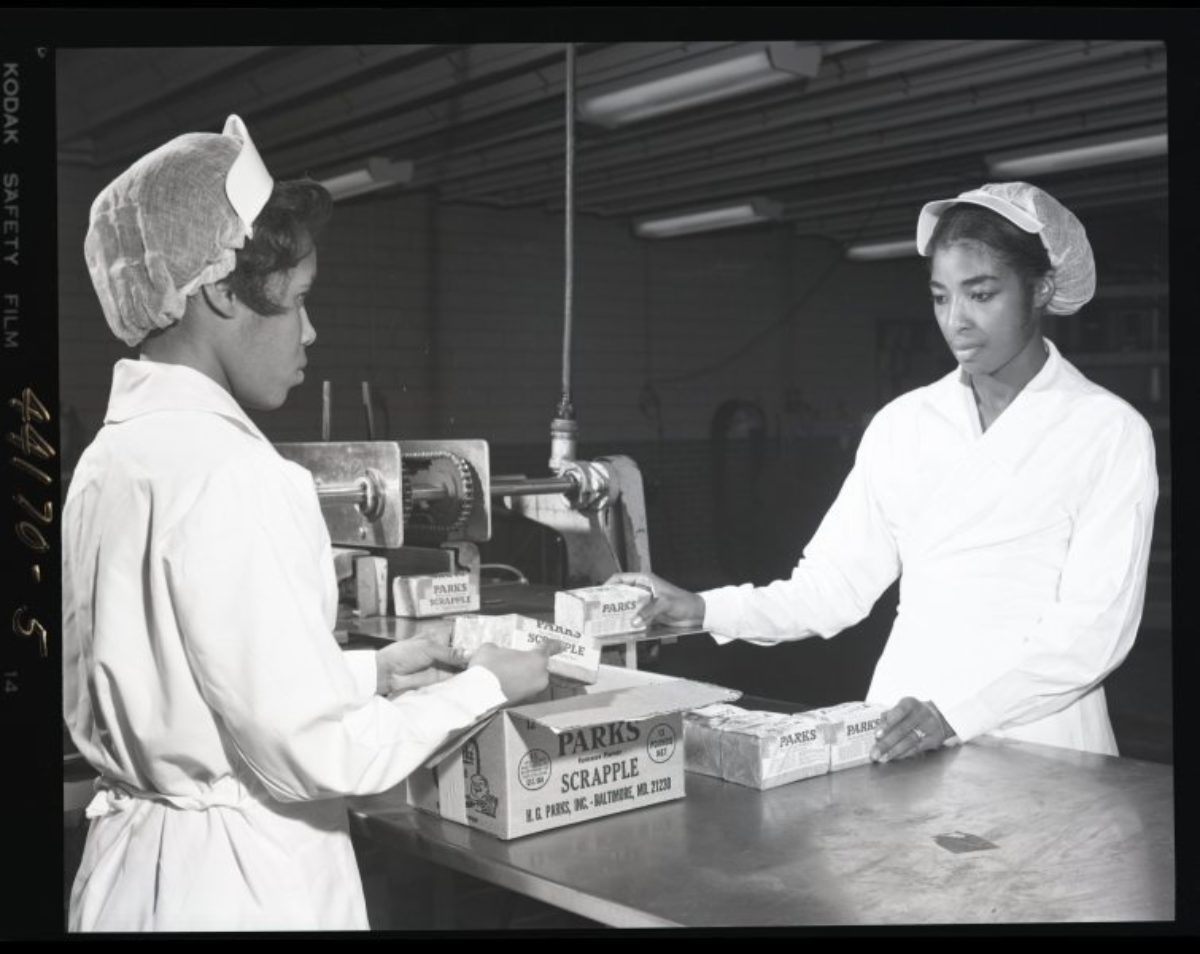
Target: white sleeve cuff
x=364 y=670
x=721 y=610
x=969 y=718
x=476 y=690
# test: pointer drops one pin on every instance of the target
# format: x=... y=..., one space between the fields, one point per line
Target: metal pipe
x=563 y=429
x=344 y=493
x=326 y=409
x=429 y=492
x=360 y=491
x=564 y=406
x=366 y=493
x=531 y=486
x=569 y=227
x=366 y=397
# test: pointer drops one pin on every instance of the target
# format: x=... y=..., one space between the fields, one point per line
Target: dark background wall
x=453 y=313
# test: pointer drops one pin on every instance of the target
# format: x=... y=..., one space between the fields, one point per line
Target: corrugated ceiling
x=850 y=153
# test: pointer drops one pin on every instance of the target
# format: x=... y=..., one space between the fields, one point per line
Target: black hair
x=284 y=233
x=1021 y=251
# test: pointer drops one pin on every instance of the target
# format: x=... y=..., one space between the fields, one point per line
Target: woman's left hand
x=909 y=727
x=412 y=663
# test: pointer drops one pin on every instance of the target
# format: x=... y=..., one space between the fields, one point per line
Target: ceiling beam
x=811 y=118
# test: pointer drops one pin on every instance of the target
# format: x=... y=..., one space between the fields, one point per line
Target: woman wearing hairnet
x=1014 y=499
x=200 y=675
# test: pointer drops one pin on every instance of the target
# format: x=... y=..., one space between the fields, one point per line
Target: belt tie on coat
x=112 y=797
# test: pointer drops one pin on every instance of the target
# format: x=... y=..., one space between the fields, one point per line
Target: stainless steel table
x=989 y=832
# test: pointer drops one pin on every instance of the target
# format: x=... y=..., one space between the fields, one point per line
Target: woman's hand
x=412 y=663
x=910 y=727
x=669 y=604
x=522 y=673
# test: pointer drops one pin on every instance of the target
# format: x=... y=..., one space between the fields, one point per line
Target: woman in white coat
x=1013 y=498
x=201 y=678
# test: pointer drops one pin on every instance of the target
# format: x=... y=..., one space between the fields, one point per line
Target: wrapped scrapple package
x=436 y=594
x=852 y=728
x=579 y=658
x=600 y=610
x=702 y=729
x=612 y=748
x=766 y=749
x=370 y=577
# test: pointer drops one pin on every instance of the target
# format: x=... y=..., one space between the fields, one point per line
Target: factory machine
x=426 y=506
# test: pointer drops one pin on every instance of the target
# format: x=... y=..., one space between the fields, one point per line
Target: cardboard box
x=615 y=747
x=767 y=749
x=435 y=594
x=600 y=610
x=578 y=660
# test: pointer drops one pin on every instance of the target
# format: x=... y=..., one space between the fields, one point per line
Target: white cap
x=172 y=222
x=1035 y=211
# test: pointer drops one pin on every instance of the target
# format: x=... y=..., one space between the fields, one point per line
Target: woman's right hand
x=669 y=603
x=522 y=674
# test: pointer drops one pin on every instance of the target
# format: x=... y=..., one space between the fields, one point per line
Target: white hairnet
x=172 y=222
x=1035 y=211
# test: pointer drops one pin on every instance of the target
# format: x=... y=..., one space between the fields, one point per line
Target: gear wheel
x=406 y=498
x=440 y=518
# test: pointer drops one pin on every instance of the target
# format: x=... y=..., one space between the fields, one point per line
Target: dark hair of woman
x=284 y=233
x=1021 y=251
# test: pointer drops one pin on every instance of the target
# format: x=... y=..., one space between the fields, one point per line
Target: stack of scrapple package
x=766 y=749
x=580 y=616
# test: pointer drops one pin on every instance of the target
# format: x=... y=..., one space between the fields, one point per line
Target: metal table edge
x=610 y=913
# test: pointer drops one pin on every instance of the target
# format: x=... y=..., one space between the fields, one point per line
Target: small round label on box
x=660 y=743
x=533 y=771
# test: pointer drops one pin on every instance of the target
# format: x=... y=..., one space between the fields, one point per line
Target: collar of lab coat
x=149 y=387
x=1007 y=441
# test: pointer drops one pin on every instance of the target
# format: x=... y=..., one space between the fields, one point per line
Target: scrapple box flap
x=624 y=705
x=458 y=739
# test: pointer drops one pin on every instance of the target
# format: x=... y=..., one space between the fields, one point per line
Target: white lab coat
x=1021 y=551
x=201 y=678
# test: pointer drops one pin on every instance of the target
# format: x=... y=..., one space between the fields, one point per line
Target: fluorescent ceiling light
x=749 y=212
x=1080 y=154
x=750 y=66
x=876 y=251
x=377 y=174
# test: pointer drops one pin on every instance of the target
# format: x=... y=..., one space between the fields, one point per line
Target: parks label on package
x=854 y=725
x=766 y=749
x=600 y=610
